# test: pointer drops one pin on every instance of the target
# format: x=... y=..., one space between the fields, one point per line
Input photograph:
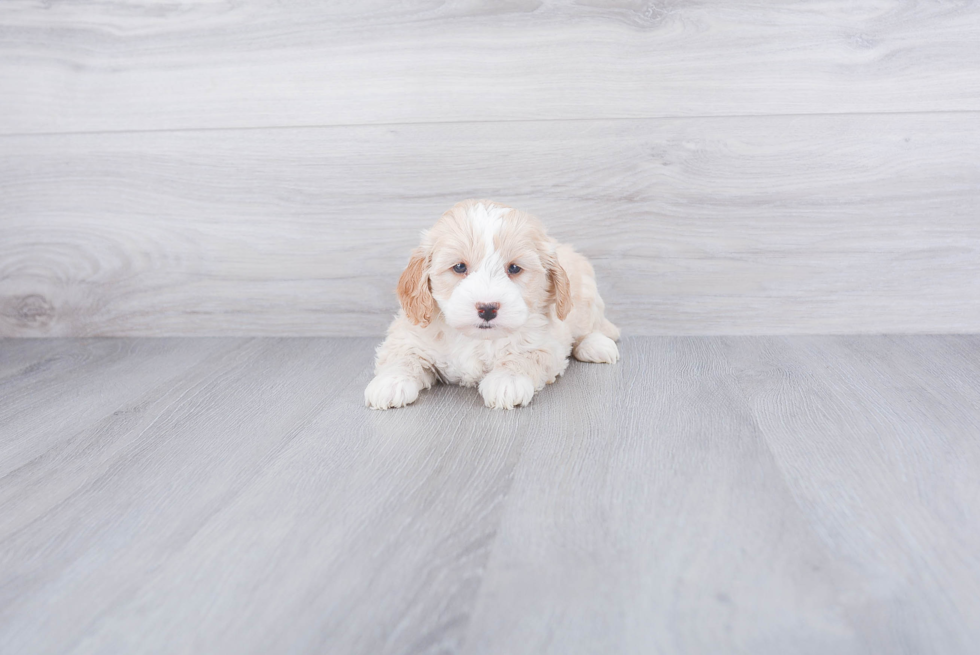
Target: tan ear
x=413 y=289
x=562 y=287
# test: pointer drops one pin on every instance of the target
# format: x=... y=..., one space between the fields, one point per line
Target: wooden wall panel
x=809 y=224
x=139 y=65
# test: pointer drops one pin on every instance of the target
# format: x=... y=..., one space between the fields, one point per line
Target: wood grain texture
x=738 y=494
x=816 y=224
x=843 y=467
x=90 y=65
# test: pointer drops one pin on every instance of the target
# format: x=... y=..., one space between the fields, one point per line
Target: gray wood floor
x=722 y=494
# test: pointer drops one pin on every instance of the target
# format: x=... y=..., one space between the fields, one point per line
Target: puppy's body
x=489 y=300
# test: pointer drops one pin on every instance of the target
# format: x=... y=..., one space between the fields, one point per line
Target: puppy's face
x=487 y=268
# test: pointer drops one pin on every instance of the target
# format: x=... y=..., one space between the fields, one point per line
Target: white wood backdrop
x=89 y=65
x=731 y=167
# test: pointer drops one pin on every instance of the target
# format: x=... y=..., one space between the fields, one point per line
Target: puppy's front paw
x=504 y=390
x=387 y=390
x=597 y=348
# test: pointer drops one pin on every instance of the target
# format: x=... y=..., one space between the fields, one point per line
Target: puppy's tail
x=609 y=329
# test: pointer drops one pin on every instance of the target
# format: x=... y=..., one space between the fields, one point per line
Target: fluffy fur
x=546 y=310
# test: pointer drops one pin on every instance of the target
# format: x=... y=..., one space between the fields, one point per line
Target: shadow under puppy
x=490 y=300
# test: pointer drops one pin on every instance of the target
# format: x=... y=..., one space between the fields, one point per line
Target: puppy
x=489 y=300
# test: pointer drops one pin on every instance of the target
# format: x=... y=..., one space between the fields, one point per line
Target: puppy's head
x=487 y=268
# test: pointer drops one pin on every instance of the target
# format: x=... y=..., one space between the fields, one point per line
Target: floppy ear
x=413 y=289
x=561 y=286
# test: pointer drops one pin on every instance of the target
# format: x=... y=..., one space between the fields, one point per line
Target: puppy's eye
x=460 y=268
x=513 y=269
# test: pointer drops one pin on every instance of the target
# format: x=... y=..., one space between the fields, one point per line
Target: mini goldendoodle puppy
x=490 y=300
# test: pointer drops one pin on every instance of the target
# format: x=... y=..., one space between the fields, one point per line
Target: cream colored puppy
x=490 y=300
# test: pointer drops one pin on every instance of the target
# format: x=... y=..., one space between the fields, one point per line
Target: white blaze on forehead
x=488 y=221
x=486 y=282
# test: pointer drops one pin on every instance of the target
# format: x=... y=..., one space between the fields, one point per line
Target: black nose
x=487 y=311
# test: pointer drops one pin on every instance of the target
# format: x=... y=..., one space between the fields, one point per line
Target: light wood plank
x=883 y=458
x=753 y=494
x=819 y=224
x=658 y=523
x=84 y=66
x=54 y=392
x=756 y=495
x=260 y=481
